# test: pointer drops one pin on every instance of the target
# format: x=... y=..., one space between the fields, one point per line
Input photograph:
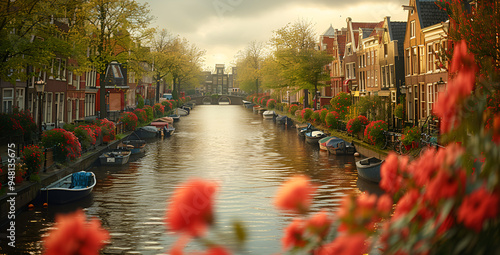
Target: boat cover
x=81 y=180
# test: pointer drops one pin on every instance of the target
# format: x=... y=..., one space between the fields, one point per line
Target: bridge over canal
x=218 y=99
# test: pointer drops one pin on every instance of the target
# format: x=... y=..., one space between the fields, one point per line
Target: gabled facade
x=337 y=70
x=391 y=62
x=355 y=32
x=368 y=69
x=425 y=37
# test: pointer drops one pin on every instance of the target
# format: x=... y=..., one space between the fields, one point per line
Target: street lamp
x=441 y=85
x=107 y=101
x=40 y=87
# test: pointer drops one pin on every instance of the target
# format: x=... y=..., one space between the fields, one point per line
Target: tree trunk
x=306 y=98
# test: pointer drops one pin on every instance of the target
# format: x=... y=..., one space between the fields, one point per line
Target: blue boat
x=176 y=117
x=70 y=188
x=338 y=146
x=303 y=130
x=369 y=169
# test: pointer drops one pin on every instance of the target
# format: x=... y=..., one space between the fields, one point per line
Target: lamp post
x=107 y=102
x=40 y=87
x=440 y=85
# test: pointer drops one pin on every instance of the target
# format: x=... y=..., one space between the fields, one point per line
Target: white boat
x=269 y=114
x=181 y=112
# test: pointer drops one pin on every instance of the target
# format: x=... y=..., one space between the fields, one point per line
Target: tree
x=249 y=63
x=188 y=69
x=297 y=57
x=113 y=27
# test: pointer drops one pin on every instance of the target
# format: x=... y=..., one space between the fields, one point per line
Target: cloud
x=223 y=27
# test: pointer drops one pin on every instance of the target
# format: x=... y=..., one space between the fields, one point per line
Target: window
x=60 y=114
x=70 y=78
x=430 y=97
x=58 y=67
x=77 y=82
x=70 y=111
x=373 y=57
x=414 y=60
x=412 y=29
x=385 y=49
x=51 y=76
x=423 y=107
x=408 y=62
x=393 y=96
x=63 y=69
x=384 y=77
x=20 y=98
x=444 y=47
x=368 y=58
x=7 y=100
x=393 y=77
x=430 y=58
x=48 y=107
x=77 y=109
x=421 y=59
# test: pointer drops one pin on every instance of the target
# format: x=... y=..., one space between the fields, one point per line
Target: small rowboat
x=115 y=157
x=313 y=137
x=338 y=146
x=369 y=168
x=70 y=188
x=135 y=146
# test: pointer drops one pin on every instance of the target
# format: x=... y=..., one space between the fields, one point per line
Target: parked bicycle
x=392 y=141
x=426 y=141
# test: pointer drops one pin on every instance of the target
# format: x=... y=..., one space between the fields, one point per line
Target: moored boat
x=134 y=146
x=181 y=112
x=146 y=132
x=322 y=142
x=163 y=127
x=69 y=188
x=268 y=114
x=168 y=120
x=369 y=168
x=115 y=157
x=338 y=146
x=313 y=137
x=303 y=130
x=284 y=120
x=175 y=117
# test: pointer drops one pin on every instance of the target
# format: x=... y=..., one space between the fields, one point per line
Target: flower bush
x=293 y=108
x=271 y=103
x=410 y=135
x=332 y=119
x=374 y=133
x=159 y=110
x=322 y=114
x=399 y=111
x=108 y=129
x=129 y=119
x=142 y=117
x=306 y=114
x=18 y=123
x=149 y=112
x=85 y=136
x=357 y=124
x=32 y=157
x=168 y=105
x=140 y=101
x=65 y=144
x=316 y=117
x=341 y=103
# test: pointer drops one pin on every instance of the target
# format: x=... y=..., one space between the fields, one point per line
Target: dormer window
x=412 y=29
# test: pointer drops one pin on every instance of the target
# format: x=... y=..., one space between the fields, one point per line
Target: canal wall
x=26 y=191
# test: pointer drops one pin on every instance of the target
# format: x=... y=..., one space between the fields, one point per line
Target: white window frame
x=430 y=98
x=48 y=107
x=20 y=98
x=412 y=29
x=7 y=101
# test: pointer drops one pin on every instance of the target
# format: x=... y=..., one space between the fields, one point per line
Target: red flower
x=294 y=234
x=391 y=180
x=477 y=207
x=345 y=245
x=406 y=203
x=190 y=208
x=75 y=235
x=445 y=185
x=295 y=194
x=384 y=204
x=319 y=224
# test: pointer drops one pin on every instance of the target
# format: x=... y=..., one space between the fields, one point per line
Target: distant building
x=220 y=82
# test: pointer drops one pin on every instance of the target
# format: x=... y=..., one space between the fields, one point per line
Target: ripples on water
x=248 y=156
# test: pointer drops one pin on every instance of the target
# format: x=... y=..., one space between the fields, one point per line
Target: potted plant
x=410 y=137
x=108 y=130
x=332 y=119
x=271 y=103
x=399 y=111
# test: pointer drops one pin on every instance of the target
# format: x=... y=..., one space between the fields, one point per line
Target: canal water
x=248 y=156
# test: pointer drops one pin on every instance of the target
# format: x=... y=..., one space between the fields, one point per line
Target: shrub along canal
x=249 y=157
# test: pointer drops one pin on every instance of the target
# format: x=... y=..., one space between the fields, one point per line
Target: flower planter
x=361 y=135
x=408 y=147
x=414 y=145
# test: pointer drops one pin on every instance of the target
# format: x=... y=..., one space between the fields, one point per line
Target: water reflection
x=248 y=156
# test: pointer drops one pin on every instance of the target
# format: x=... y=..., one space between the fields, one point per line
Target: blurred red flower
x=294 y=234
x=190 y=209
x=295 y=194
x=345 y=245
x=477 y=207
x=75 y=235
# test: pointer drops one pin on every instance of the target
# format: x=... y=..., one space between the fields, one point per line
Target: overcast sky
x=223 y=27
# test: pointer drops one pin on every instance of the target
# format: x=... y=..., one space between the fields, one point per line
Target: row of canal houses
x=70 y=97
x=390 y=59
